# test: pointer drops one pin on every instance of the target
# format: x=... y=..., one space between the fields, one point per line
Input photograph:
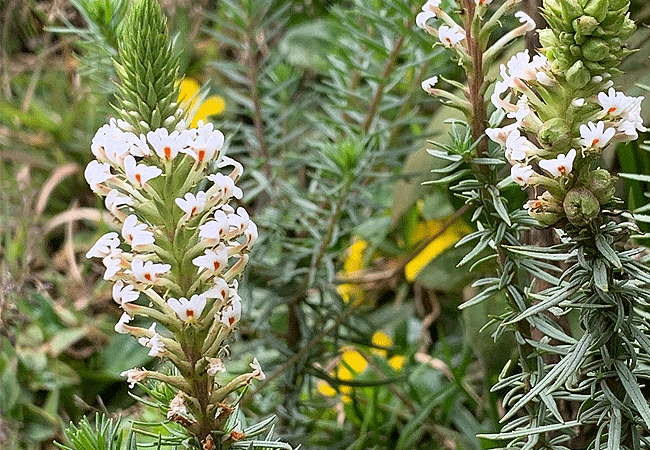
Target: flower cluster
x=178 y=252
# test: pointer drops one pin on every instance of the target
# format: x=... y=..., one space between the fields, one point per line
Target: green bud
x=584 y=25
x=566 y=38
x=615 y=5
x=627 y=28
x=552 y=7
x=581 y=206
x=601 y=184
x=575 y=50
x=578 y=75
x=595 y=49
x=546 y=209
x=547 y=38
x=555 y=134
x=571 y=9
x=597 y=9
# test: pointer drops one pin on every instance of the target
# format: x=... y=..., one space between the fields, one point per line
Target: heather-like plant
x=181 y=247
x=561 y=111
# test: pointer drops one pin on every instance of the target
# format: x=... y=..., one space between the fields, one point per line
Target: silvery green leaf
x=631 y=385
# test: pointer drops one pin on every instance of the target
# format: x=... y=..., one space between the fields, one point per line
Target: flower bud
x=546 y=209
x=601 y=184
x=626 y=30
x=578 y=75
x=555 y=134
x=571 y=9
x=581 y=206
x=595 y=49
x=584 y=25
x=597 y=9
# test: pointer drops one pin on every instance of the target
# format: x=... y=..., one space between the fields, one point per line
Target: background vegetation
x=350 y=298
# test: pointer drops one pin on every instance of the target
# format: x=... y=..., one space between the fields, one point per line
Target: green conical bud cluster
x=586 y=37
x=148 y=70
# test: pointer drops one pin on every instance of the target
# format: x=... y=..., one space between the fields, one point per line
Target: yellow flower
x=352 y=364
x=353 y=263
x=189 y=97
x=382 y=340
x=325 y=389
x=397 y=362
x=448 y=238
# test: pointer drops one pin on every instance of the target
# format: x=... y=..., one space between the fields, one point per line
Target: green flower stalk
x=181 y=246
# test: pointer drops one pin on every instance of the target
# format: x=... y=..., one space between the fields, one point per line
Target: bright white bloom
x=521 y=68
x=124 y=293
x=500 y=135
x=192 y=204
x=136 y=234
x=231 y=315
x=595 y=135
x=139 y=147
x=257 y=370
x=518 y=148
x=526 y=20
x=450 y=36
x=148 y=272
x=157 y=346
x=238 y=222
x=500 y=88
x=214 y=261
x=114 y=200
x=139 y=174
x=251 y=234
x=113 y=264
x=104 y=246
x=177 y=406
x=578 y=102
x=215 y=229
x=422 y=18
x=544 y=79
x=97 y=173
x=429 y=83
x=205 y=144
x=167 y=145
x=225 y=186
x=237 y=170
x=613 y=103
x=144 y=340
x=188 y=310
x=215 y=365
x=562 y=165
x=219 y=290
x=521 y=174
x=134 y=376
x=119 y=326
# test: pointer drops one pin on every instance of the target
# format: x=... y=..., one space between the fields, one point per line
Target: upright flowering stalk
x=180 y=248
x=562 y=111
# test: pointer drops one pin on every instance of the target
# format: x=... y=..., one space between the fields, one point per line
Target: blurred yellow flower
x=325 y=389
x=352 y=364
x=353 y=263
x=429 y=228
x=397 y=362
x=189 y=96
x=381 y=339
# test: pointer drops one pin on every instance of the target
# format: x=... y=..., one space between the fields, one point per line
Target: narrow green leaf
x=600 y=275
x=530 y=431
x=607 y=251
x=631 y=385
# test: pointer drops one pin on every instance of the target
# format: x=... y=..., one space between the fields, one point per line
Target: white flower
x=595 y=135
x=139 y=174
x=113 y=264
x=526 y=20
x=225 y=186
x=422 y=18
x=192 y=204
x=450 y=36
x=500 y=135
x=562 y=165
x=205 y=144
x=136 y=234
x=97 y=173
x=177 y=406
x=157 y=346
x=431 y=5
x=613 y=103
x=134 y=376
x=148 y=272
x=188 y=310
x=500 y=88
x=167 y=145
x=219 y=290
x=114 y=200
x=578 y=102
x=521 y=67
x=257 y=370
x=251 y=234
x=429 y=83
x=216 y=229
x=215 y=365
x=518 y=148
x=124 y=293
x=521 y=174
x=139 y=146
x=237 y=170
x=144 y=340
x=120 y=325
x=104 y=246
x=231 y=315
x=214 y=261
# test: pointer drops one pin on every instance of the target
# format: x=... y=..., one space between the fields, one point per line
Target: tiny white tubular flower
x=219 y=290
x=104 y=246
x=97 y=173
x=251 y=234
x=518 y=148
x=595 y=135
x=224 y=186
x=148 y=272
x=544 y=79
x=214 y=230
x=139 y=147
x=124 y=293
x=139 y=174
x=157 y=346
x=232 y=314
x=117 y=153
x=500 y=135
x=450 y=36
x=166 y=145
x=526 y=20
x=521 y=174
x=188 y=310
x=237 y=170
x=613 y=103
x=500 y=88
x=192 y=204
x=144 y=340
x=422 y=18
x=562 y=165
x=257 y=370
x=206 y=143
x=136 y=234
x=429 y=83
x=114 y=200
x=215 y=365
x=113 y=264
x=239 y=220
x=213 y=261
x=120 y=325
x=177 y=406
x=134 y=375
